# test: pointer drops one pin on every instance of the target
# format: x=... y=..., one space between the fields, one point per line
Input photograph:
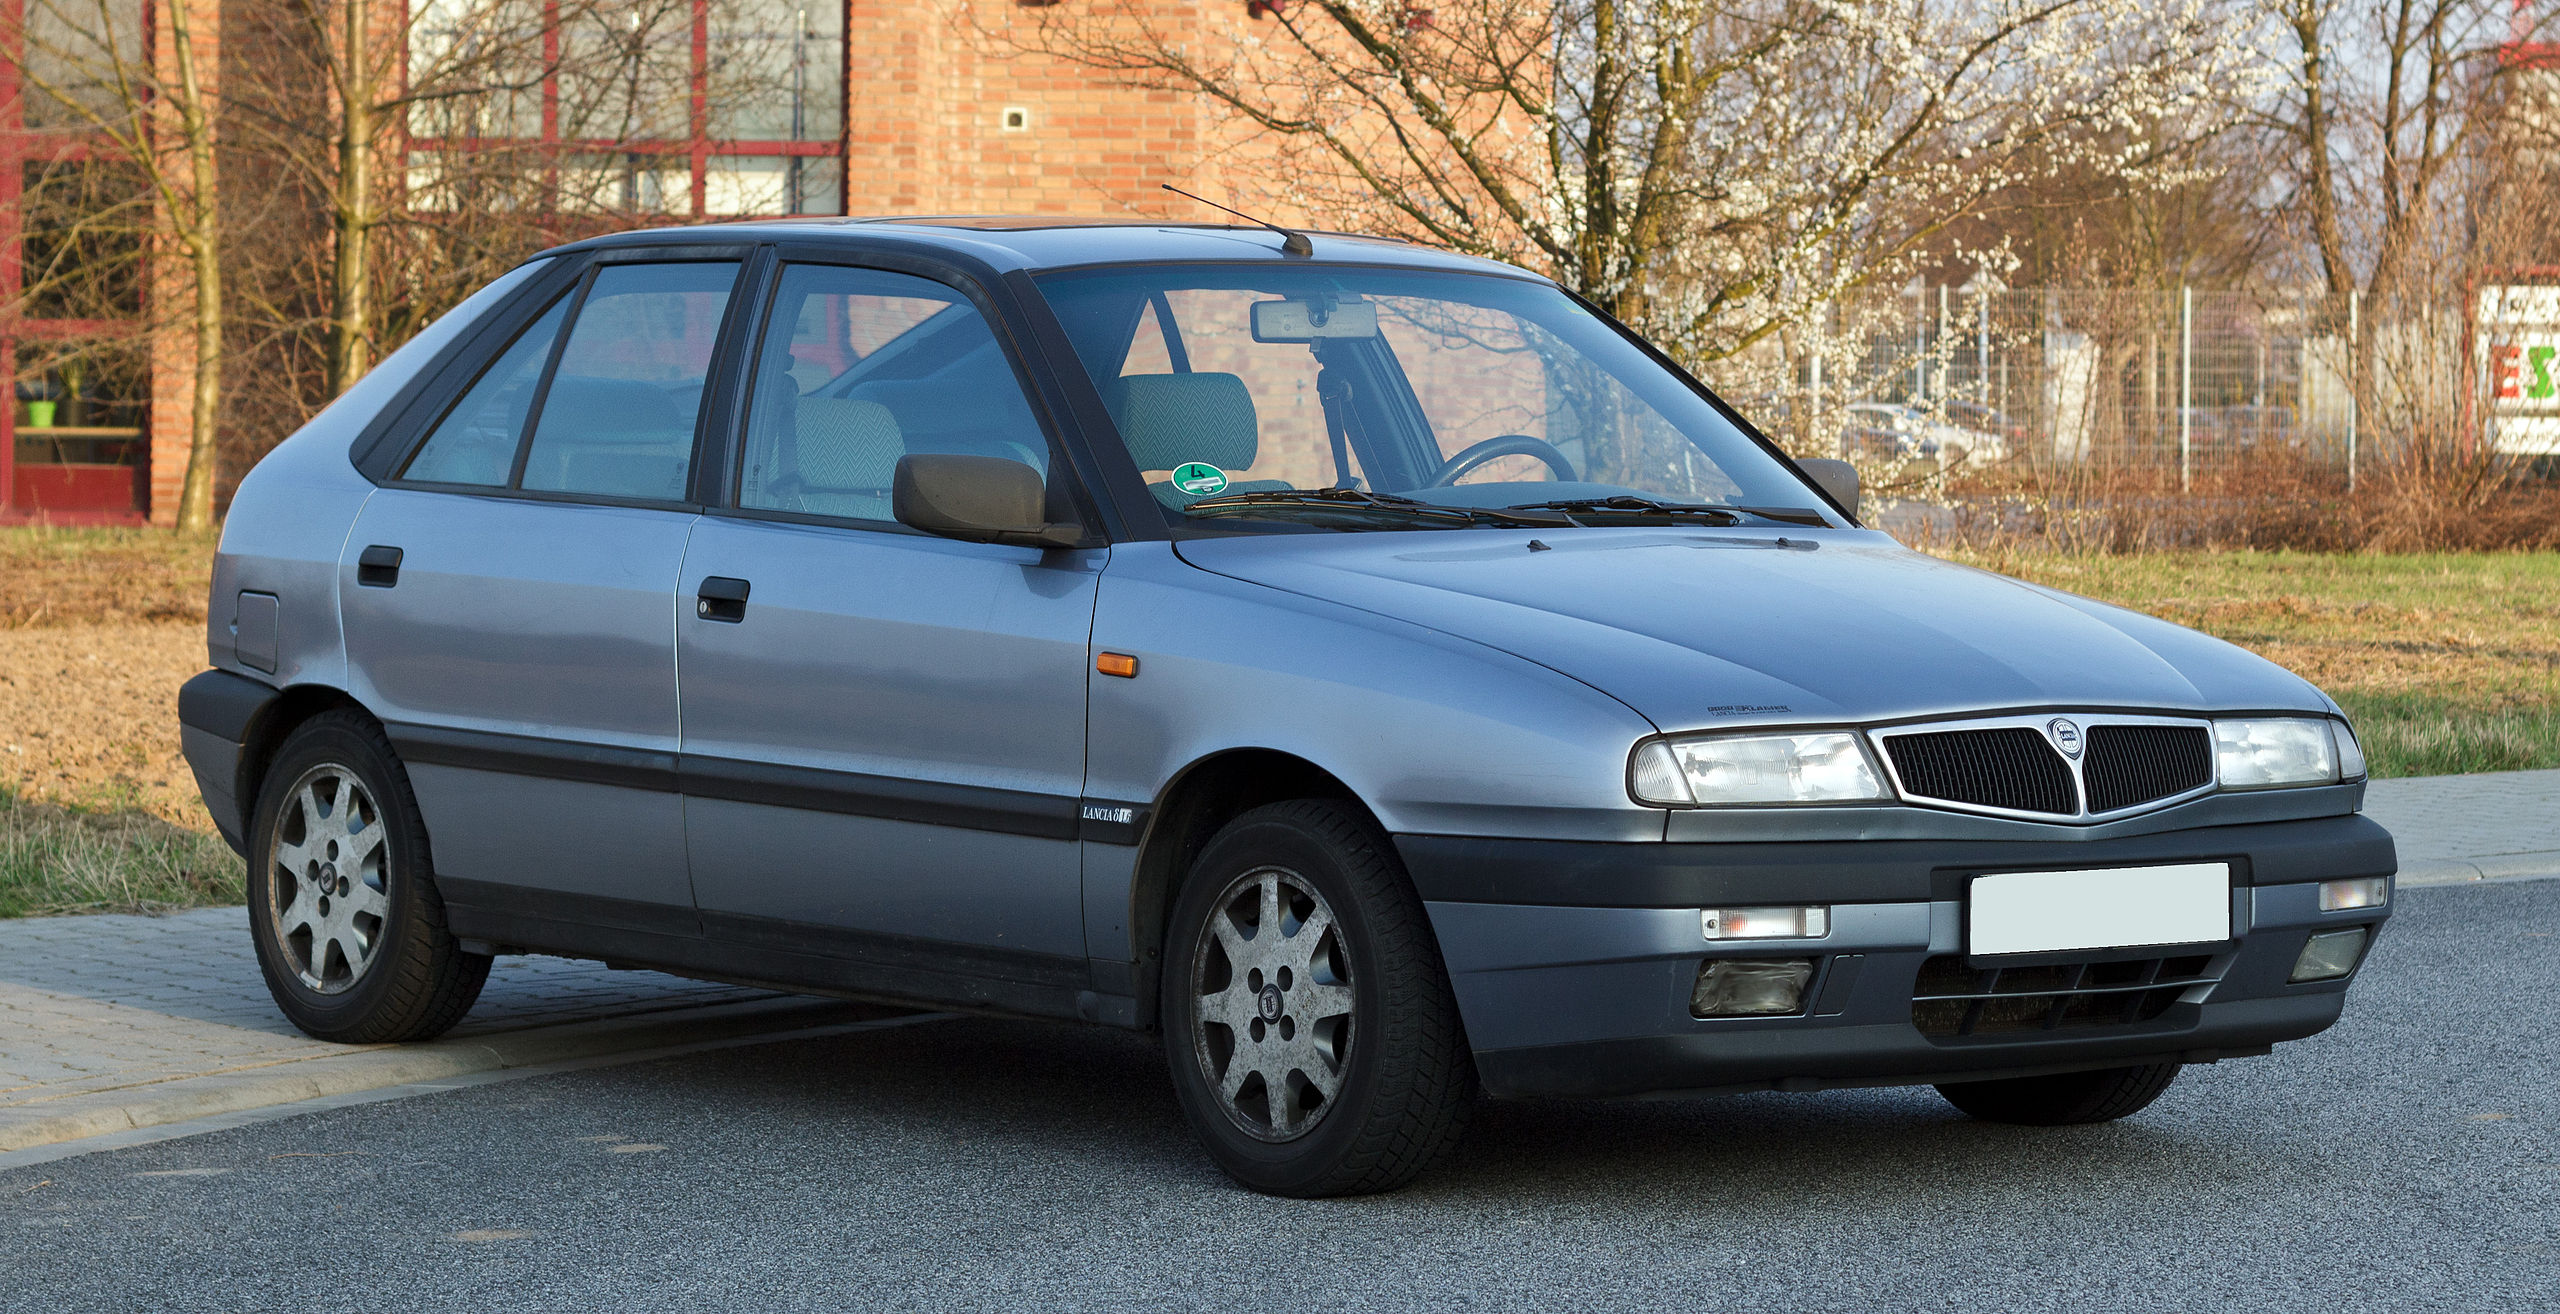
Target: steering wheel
x=1509 y=444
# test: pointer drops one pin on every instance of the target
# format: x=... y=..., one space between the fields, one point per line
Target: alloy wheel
x=328 y=893
x=1272 y=1025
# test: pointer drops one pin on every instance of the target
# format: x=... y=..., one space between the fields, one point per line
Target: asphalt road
x=2408 y=1159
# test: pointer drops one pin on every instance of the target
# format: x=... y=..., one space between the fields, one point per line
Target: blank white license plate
x=2036 y=912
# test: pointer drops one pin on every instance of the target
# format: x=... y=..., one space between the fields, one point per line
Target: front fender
x=1436 y=734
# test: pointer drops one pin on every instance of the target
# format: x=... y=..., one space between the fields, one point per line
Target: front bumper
x=1573 y=963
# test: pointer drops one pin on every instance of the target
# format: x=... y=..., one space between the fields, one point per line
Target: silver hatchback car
x=1372 y=670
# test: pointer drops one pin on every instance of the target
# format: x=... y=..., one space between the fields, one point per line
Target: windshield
x=1237 y=387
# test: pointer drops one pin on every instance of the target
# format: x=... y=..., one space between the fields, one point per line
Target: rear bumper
x=1564 y=995
x=217 y=713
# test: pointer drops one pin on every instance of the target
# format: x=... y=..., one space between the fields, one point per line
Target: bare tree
x=2382 y=104
x=2394 y=131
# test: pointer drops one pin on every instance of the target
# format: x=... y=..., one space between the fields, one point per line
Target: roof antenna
x=1291 y=243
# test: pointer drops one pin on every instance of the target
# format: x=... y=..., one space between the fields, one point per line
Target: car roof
x=1042 y=242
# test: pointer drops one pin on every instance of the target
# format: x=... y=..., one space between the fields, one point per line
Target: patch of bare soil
x=89 y=716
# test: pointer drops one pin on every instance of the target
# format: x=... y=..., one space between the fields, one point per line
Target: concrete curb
x=2467 y=871
x=97 y=1113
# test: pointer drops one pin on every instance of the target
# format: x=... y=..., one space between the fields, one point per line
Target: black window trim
x=393 y=437
x=391 y=443
x=720 y=498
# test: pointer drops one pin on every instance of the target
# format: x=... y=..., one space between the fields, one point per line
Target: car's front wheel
x=2064 y=1099
x=349 y=930
x=1314 y=1043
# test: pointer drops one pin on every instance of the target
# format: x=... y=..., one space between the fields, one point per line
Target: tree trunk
x=350 y=287
x=203 y=237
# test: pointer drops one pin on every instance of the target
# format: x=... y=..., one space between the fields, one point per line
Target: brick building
x=878 y=107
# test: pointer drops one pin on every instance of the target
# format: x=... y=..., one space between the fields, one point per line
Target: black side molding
x=527 y=755
x=969 y=807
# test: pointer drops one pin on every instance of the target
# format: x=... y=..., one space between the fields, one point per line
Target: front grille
x=2012 y=768
x=1953 y=998
x=2129 y=765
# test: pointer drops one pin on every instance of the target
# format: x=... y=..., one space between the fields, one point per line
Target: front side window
x=859 y=367
x=1473 y=392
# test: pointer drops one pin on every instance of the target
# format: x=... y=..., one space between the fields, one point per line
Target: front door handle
x=721 y=599
x=378 y=567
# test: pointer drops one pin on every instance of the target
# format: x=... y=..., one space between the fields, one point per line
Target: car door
x=510 y=607
x=883 y=730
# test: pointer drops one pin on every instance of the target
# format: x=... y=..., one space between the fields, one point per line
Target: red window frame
x=697 y=146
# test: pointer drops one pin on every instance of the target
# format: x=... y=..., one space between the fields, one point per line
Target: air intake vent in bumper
x=1953 y=999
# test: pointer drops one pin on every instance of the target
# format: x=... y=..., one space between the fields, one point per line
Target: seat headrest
x=1171 y=419
x=847 y=445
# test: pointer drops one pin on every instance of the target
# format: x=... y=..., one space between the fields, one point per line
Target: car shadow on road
x=1090 y=1106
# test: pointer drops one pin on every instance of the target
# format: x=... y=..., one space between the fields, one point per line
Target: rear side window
x=618 y=417
x=860 y=367
x=476 y=442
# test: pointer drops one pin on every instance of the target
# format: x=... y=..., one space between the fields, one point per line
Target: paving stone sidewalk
x=106 y=1003
x=2491 y=826
x=130 y=1014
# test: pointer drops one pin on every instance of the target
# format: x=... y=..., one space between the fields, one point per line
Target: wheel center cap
x=328 y=874
x=1269 y=1004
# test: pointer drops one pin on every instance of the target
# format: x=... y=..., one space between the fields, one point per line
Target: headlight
x=2273 y=753
x=1828 y=767
x=2350 y=753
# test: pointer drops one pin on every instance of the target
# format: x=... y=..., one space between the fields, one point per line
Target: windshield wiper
x=1630 y=504
x=1361 y=501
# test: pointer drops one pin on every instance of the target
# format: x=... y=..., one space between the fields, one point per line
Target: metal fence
x=2184 y=385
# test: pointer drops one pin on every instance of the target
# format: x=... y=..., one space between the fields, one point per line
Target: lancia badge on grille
x=2066 y=736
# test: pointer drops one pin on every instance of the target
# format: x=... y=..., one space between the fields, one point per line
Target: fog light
x=1750 y=987
x=2360 y=892
x=1807 y=923
x=2329 y=955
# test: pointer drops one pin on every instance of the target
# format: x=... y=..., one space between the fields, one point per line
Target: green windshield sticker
x=1199 y=480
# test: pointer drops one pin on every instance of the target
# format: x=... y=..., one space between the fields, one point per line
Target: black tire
x=1405 y=1080
x=2065 y=1099
x=411 y=980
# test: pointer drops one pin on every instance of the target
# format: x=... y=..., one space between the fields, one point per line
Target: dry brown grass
x=52 y=577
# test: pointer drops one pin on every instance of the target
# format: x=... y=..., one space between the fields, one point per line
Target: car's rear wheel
x=349 y=930
x=1314 y=1044
x=2063 y=1099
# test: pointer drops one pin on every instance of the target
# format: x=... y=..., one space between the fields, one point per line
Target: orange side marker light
x=1117 y=663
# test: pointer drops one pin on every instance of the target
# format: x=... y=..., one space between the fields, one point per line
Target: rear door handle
x=721 y=599
x=378 y=567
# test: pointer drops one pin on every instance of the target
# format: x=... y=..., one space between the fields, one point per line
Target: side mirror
x=976 y=499
x=1838 y=478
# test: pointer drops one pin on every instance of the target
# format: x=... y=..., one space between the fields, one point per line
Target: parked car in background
x=1981 y=417
x=1231 y=636
x=1909 y=433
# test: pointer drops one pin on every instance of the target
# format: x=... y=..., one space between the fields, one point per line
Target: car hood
x=1695 y=629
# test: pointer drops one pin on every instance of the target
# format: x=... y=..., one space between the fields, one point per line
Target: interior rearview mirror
x=1838 y=478
x=976 y=499
x=1306 y=321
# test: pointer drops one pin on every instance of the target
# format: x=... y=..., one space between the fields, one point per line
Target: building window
x=74 y=429
x=702 y=108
